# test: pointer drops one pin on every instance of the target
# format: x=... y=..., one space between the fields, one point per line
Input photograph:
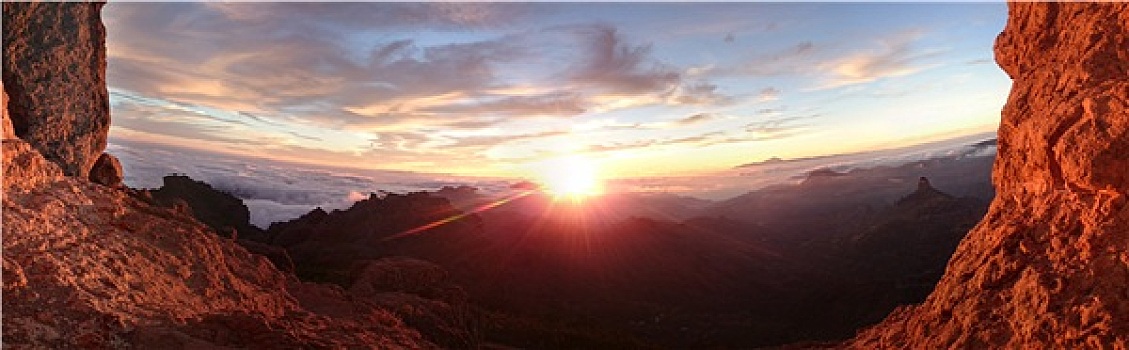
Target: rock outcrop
x=107 y=171
x=1049 y=265
x=219 y=210
x=55 y=77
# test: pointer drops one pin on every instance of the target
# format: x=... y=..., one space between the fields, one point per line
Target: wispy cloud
x=769 y=94
x=494 y=140
x=617 y=67
x=891 y=57
x=762 y=130
x=696 y=119
x=367 y=16
x=550 y=104
x=699 y=94
x=777 y=126
x=795 y=59
x=833 y=65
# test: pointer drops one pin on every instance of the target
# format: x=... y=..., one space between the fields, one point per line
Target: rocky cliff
x=1049 y=265
x=93 y=266
x=55 y=75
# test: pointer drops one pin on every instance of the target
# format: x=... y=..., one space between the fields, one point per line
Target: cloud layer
x=275 y=191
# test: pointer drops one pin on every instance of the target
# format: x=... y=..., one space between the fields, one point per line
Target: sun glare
x=574 y=177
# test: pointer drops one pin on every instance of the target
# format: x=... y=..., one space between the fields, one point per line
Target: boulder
x=107 y=171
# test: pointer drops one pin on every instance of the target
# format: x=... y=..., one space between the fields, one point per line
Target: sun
x=575 y=177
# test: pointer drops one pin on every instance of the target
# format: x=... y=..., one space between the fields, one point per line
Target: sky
x=498 y=90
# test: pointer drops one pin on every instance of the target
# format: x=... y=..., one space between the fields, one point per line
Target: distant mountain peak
x=925 y=191
x=923 y=185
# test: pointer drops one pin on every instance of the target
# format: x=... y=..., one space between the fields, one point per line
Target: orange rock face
x=9 y=132
x=1049 y=265
x=92 y=266
x=55 y=77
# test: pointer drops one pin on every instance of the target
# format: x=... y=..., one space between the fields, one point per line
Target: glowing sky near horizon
x=491 y=89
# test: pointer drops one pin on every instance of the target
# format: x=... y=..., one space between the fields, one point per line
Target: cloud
x=834 y=65
x=144 y=116
x=618 y=67
x=496 y=140
x=696 y=119
x=768 y=94
x=776 y=127
x=422 y=78
x=698 y=94
x=232 y=57
x=769 y=130
x=617 y=73
x=892 y=57
x=621 y=146
x=403 y=141
x=447 y=16
x=795 y=59
x=550 y=104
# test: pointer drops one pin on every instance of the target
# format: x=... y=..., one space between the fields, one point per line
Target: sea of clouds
x=278 y=191
x=274 y=191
